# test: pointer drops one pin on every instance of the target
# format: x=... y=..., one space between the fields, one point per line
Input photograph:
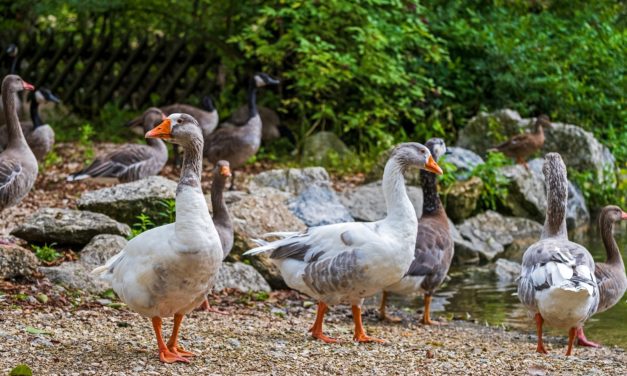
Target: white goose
x=168 y=270
x=557 y=282
x=347 y=262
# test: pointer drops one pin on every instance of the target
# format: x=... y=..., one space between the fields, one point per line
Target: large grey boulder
x=507 y=271
x=461 y=198
x=322 y=147
x=265 y=210
x=16 y=261
x=241 y=277
x=490 y=234
x=527 y=195
x=67 y=226
x=579 y=148
x=366 y=202
x=124 y=202
x=100 y=249
x=313 y=199
x=74 y=275
x=464 y=160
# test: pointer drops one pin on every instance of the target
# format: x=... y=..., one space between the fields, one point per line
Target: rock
x=579 y=149
x=507 y=271
x=464 y=160
x=490 y=234
x=258 y=213
x=75 y=276
x=461 y=198
x=325 y=148
x=67 y=226
x=315 y=201
x=124 y=202
x=239 y=276
x=366 y=202
x=16 y=262
x=100 y=249
x=527 y=195
x=412 y=175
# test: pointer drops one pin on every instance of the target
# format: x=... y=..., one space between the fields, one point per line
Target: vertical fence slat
x=143 y=71
x=160 y=73
x=69 y=66
x=55 y=60
x=123 y=72
x=80 y=80
x=202 y=72
x=31 y=70
x=167 y=93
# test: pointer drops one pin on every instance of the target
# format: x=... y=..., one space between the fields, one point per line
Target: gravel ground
x=269 y=337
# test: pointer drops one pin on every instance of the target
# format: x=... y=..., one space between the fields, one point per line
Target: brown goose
x=238 y=144
x=131 y=161
x=523 y=145
x=434 y=244
x=18 y=166
x=221 y=217
x=39 y=136
x=611 y=273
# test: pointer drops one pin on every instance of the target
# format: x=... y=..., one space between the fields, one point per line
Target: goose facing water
x=347 y=262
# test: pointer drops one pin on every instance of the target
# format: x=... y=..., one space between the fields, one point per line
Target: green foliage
x=448 y=177
x=165 y=216
x=494 y=191
x=168 y=214
x=46 y=252
x=143 y=224
x=85 y=140
x=51 y=159
x=21 y=370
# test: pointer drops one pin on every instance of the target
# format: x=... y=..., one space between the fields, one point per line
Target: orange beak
x=432 y=166
x=225 y=171
x=161 y=131
x=624 y=216
x=28 y=86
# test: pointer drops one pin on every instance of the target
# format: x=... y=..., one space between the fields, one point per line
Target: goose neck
x=606 y=226
x=431 y=199
x=399 y=207
x=252 y=99
x=14 y=131
x=557 y=196
x=34 y=113
x=220 y=211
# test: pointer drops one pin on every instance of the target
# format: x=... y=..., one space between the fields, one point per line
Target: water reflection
x=476 y=292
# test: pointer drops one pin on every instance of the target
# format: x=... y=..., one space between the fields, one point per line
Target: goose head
x=613 y=213
x=151 y=118
x=14 y=83
x=44 y=95
x=181 y=129
x=414 y=154
x=543 y=121
x=207 y=104
x=262 y=79
x=223 y=168
x=12 y=50
x=437 y=147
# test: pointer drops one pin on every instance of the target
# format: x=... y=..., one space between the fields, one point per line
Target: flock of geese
x=168 y=271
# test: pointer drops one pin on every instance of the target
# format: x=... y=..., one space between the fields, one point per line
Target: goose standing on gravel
x=557 y=282
x=611 y=273
x=347 y=262
x=238 y=144
x=168 y=270
x=221 y=216
x=39 y=136
x=18 y=166
x=434 y=244
x=132 y=161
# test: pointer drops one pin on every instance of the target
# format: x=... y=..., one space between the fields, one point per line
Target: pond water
x=475 y=292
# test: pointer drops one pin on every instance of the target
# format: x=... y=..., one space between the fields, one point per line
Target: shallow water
x=475 y=292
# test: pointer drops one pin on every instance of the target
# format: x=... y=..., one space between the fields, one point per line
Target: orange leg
x=382 y=314
x=165 y=355
x=572 y=334
x=539 y=322
x=360 y=333
x=316 y=329
x=426 y=317
x=173 y=345
x=583 y=341
x=207 y=308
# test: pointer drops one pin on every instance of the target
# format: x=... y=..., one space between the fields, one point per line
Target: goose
x=168 y=270
x=18 y=166
x=221 y=216
x=131 y=161
x=611 y=273
x=557 y=282
x=434 y=244
x=522 y=146
x=346 y=262
x=270 y=121
x=39 y=136
x=238 y=144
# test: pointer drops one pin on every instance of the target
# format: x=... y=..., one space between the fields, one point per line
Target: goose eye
x=179 y=121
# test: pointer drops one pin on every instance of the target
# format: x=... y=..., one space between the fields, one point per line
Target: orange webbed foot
x=324 y=338
x=434 y=323
x=205 y=307
x=390 y=318
x=365 y=338
x=180 y=351
x=167 y=356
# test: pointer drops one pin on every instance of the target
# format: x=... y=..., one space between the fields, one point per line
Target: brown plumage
x=610 y=274
x=434 y=244
x=522 y=146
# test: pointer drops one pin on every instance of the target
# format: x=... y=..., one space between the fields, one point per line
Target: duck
x=522 y=146
x=130 y=162
x=39 y=136
x=221 y=216
x=167 y=271
x=347 y=262
x=610 y=274
x=434 y=244
x=18 y=165
x=557 y=283
x=238 y=144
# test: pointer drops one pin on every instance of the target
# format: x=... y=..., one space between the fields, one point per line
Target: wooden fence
x=90 y=69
